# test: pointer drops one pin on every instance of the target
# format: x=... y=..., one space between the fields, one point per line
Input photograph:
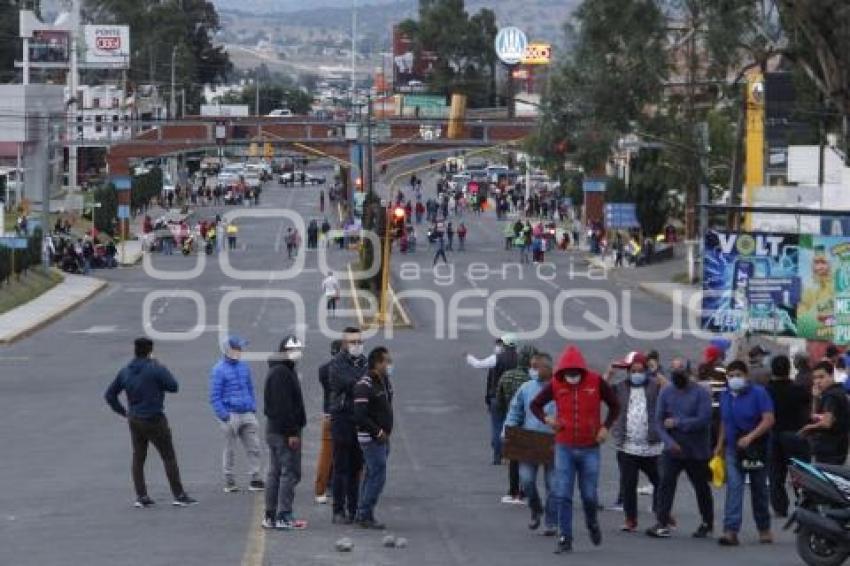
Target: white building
x=105 y=113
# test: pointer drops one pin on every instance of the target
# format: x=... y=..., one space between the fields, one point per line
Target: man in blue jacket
x=145 y=383
x=519 y=414
x=232 y=399
x=683 y=418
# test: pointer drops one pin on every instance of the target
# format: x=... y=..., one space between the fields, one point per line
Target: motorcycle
x=823 y=512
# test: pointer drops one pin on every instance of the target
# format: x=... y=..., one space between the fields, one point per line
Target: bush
x=25 y=259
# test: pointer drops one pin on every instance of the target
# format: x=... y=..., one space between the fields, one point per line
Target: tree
x=108 y=211
x=10 y=43
x=465 y=59
x=272 y=96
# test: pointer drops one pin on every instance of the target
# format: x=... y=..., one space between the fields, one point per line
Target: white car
x=280 y=113
x=252 y=179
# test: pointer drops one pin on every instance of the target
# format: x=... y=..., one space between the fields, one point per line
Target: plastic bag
x=717 y=465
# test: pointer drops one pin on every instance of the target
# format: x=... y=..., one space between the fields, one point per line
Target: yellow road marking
x=255 y=548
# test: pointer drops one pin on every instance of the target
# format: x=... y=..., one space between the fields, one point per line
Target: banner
x=49 y=46
x=824 y=309
x=751 y=282
x=411 y=68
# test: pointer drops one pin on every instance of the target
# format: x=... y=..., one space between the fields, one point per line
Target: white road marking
x=101 y=329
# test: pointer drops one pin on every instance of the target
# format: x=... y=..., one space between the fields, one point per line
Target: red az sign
x=108 y=43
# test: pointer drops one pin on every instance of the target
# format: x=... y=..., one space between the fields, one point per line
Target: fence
x=24 y=259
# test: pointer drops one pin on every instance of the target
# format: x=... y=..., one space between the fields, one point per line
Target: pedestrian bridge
x=333 y=138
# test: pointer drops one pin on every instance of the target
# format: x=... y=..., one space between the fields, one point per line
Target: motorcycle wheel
x=815 y=550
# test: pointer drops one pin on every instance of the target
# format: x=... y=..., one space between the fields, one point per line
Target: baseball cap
x=235 y=342
x=631 y=358
x=509 y=340
x=711 y=354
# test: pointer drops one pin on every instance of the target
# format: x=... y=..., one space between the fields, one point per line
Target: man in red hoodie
x=578 y=394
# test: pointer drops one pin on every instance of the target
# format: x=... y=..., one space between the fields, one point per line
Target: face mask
x=356 y=350
x=295 y=355
x=390 y=369
x=637 y=378
x=737 y=383
x=573 y=378
x=680 y=380
x=235 y=355
x=534 y=373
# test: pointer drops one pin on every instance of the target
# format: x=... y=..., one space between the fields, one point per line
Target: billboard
x=411 y=69
x=537 y=53
x=751 y=282
x=780 y=284
x=49 y=46
x=107 y=45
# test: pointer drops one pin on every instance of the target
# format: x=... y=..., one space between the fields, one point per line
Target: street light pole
x=173 y=106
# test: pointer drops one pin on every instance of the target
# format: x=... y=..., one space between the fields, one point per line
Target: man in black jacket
x=284 y=409
x=145 y=382
x=345 y=370
x=325 y=461
x=373 y=414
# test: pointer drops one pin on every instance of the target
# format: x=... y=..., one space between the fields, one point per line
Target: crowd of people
x=748 y=418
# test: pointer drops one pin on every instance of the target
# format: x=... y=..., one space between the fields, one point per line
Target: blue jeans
x=375 y=459
x=497 y=421
x=528 y=482
x=570 y=462
x=759 y=494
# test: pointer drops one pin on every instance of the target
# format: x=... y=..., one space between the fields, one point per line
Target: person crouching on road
x=145 y=383
x=286 y=418
x=519 y=414
x=636 y=435
x=746 y=417
x=373 y=415
x=232 y=398
x=578 y=394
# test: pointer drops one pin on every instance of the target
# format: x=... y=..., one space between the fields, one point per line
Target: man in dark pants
x=346 y=369
x=793 y=406
x=324 y=464
x=145 y=383
x=683 y=419
x=828 y=432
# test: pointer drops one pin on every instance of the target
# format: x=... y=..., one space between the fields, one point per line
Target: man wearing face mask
x=578 y=394
x=636 y=433
x=373 y=413
x=746 y=417
x=683 y=419
x=232 y=399
x=345 y=370
x=286 y=418
x=503 y=358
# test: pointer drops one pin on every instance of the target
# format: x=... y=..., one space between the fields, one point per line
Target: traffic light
x=398 y=221
x=358 y=183
x=268 y=150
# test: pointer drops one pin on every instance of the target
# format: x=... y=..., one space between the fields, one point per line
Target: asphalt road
x=65 y=466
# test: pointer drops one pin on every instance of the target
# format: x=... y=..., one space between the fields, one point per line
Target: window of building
x=115 y=117
x=95 y=103
x=98 y=119
x=98 y=129
x=115 y=103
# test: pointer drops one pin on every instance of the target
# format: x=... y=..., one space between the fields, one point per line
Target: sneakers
x=765 y=537
x=658 y=531
x=564 y=545
x=703 y=531
x=728 y=539
x=507 y=499
x=595 y=534
x=549 y=532
x=268 y=523
x=535 y=522
x=322 y=499
x=646 y=490
x=230 y=486
x=184 y=501
x=290 y=524
x=144 y=502
x=341 y=519
x=618 y=506
x=371 y=524
x=256 y=485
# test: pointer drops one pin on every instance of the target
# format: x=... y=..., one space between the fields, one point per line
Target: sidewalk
x=64 y=297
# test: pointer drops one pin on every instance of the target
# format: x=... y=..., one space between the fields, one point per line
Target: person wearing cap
x=145 y=383
x=683 y=420
x=232 y=399
x=503 y=358
x=759 y=370
x=636 y=434
x=578 y=393
x=285 y=419
x=508 y=384
x=747 y=416
x=324 y=464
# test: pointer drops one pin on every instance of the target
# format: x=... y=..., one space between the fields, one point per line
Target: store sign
x=107 y=45
x=511 y=44
x=49 y=46
x=537 y=54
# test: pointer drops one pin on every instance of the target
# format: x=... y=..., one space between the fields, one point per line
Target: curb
x=52 y=317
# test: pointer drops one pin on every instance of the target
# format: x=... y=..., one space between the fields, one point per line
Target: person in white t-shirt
x=330 y=287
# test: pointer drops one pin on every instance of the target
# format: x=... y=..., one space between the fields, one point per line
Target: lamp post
x=392 y=214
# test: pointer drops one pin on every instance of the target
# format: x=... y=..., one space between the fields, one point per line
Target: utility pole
x=173 y=106
x=183 y=103
x=369 y=145
x=73 y=88
x=257 y=93
x=353 y=50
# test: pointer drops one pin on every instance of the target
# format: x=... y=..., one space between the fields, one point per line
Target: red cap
x=631 y=358
x=711 y=354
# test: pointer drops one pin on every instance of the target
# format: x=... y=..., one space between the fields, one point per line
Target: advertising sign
x=49 y=46
x=511 y=43
x=107 y=45
x=621 y=215
x=751 y=282
x=537 y=54
x=411 y=69
x=824 y=309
